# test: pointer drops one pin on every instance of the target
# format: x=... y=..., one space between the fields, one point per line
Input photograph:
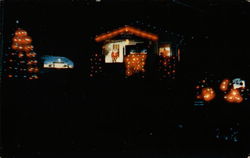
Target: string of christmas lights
x=135 y=63
x=96 y=65
x=167 y=64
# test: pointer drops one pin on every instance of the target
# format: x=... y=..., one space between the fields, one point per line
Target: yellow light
x=127 y=41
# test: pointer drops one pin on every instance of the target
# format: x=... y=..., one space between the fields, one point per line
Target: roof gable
x=127 y=29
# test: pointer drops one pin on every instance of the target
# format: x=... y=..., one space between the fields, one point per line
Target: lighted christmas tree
x=21 y=61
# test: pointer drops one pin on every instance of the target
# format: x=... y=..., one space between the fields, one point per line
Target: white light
x=238 y=83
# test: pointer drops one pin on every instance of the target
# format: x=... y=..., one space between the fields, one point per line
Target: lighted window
x=165 y=51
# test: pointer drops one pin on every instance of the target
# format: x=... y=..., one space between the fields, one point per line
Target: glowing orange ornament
x=233 y=96
x=208 y=94
x=224 y=85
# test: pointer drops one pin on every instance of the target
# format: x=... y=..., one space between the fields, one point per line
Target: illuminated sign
x=54 y=62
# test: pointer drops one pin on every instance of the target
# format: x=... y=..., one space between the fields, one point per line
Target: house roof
x=127 y=29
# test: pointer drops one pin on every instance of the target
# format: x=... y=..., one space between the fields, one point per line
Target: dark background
x=65 y=114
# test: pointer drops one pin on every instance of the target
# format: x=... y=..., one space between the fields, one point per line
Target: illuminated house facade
x=129 y=52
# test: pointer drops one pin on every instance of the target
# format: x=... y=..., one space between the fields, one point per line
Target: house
x=133 y=51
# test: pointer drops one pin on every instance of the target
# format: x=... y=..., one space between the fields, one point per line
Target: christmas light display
x=208 y=94
x=22 y=60
x=96 y=65
x=118 y=47
x=234 y=92
x=167 y=62
x=127 y=29
x=135 y=63
x=234 y=96
x=224 y=85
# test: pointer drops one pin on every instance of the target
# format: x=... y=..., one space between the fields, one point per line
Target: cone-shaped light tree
x=22 y=61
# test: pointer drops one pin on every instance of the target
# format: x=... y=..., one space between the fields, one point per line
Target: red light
x=224 y=85
x=234 y=96
x=127 y=29
x=208 y=94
